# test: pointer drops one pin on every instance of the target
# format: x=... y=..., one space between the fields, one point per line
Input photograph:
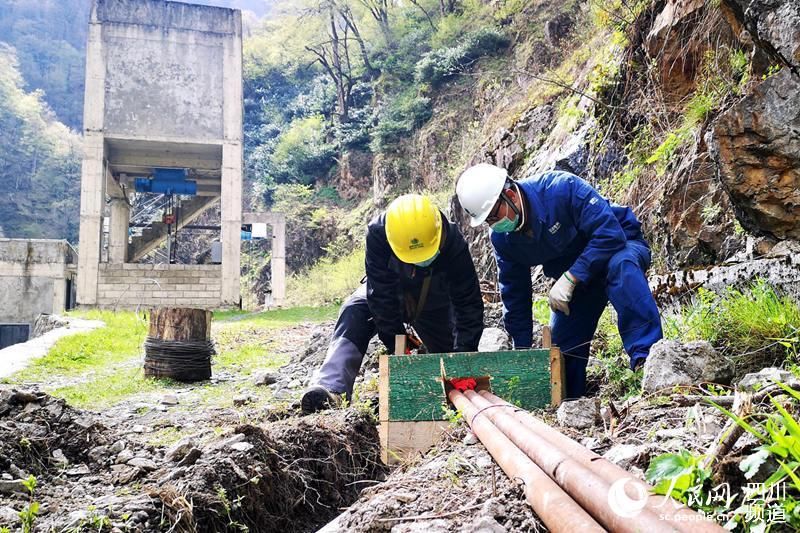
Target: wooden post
x=399 y=344
x=557 y=376
x=179 y=344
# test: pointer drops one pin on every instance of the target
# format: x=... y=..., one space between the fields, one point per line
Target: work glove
x=561 y=293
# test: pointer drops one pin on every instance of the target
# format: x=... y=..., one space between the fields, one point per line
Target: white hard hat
x=478 y=189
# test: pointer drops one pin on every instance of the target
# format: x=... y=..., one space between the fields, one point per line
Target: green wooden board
x=416 y=391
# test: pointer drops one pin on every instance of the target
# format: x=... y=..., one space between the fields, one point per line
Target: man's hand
x=561 y=293
x=413 y=343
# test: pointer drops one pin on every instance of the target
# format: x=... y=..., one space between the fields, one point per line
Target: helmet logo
x=415 y=243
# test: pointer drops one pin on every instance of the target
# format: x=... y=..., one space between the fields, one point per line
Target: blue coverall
x=571 y=227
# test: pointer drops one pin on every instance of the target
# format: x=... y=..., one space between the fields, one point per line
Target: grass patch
x=107 y=360
x=279 y=318
x=613 y=370
x=756 y=326
x=328 y=282
x=119 y=341
x=111 y=386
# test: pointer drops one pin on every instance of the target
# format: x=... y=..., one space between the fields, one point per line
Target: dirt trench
x=289 y=475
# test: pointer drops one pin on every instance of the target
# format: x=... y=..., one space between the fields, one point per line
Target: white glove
x=561 y=293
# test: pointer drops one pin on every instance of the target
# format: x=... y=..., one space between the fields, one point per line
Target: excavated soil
x=454 y=488
x=289 y=475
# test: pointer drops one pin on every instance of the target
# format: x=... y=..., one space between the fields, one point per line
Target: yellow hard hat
x=413 y=228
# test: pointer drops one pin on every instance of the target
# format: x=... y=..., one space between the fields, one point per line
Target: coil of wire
x=179 y=360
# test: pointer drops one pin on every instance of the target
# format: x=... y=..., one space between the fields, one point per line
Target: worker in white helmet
x=594 y=249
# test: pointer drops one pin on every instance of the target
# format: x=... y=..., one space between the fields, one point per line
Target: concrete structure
x=163 y=90
x=277 y=222
x=36 y=276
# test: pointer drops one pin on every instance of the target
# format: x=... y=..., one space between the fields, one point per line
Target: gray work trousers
x=354 y=329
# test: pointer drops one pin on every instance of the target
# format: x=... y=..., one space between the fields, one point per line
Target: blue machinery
x=167 y=181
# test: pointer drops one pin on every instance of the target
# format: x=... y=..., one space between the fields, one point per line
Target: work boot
x=318 y=398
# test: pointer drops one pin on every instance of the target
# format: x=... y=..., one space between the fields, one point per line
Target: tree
x=333 y=55
x=379 y=9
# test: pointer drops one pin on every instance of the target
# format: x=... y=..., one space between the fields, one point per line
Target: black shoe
x=318 y=398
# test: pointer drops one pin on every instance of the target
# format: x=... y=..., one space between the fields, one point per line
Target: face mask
x=505 y=225
x=429 y=261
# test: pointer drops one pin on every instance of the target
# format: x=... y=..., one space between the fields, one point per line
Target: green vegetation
x=77 y=355
x=328 y=282
x=49 y=39
x=40 y=171
x=613 y=369
x=102 y=367
x=755 y=324
x=439 y=65
x=688 y=477
x=31 y=510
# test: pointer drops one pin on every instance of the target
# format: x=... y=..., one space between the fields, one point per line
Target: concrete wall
x=164 y=68
x=126 y=286
x=33 y=278
x=163 y=88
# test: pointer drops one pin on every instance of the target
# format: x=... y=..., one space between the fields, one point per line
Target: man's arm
x=383 y=288
x=594 y=218
x=516 y=293
x=465 y=295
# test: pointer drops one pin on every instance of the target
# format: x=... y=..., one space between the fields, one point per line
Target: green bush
x=327 y=282
x=612 y=368
x=404 y=115
x=441 y=64
x=301 y=154
x=756 y=326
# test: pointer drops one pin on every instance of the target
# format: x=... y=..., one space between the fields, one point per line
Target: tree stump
x=179 y=345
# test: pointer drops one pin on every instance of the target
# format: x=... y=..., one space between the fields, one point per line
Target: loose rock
x=672 y=363
x=143 y=463
x=266 y=378
x=767 y=376
x=179 y=450
x=494 y=340
x=579 y=414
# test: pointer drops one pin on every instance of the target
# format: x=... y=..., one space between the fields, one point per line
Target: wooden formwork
x=413 y=404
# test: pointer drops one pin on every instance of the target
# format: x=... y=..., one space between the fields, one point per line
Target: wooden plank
x=557 y=376
x=415 y=385
x=547 y=339
x=409 y=438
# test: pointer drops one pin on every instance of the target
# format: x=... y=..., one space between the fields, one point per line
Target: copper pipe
x=557 y=510
x=585 y=487
x=683 y=518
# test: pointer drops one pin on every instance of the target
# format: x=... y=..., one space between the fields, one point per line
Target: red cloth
x=463 y=384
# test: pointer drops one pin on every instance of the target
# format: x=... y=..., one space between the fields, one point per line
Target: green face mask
x=505 y=225
x=429 y=261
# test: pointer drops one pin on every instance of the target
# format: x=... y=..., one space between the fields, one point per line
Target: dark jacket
x=571 y=227
x=453 y=282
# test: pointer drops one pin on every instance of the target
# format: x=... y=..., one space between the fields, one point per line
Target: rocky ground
x=168 y=462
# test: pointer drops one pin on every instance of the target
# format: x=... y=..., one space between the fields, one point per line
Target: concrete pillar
x=92 y=170
x=91 y=217
x=279 y=260
x=232 y=164
x=231 y=222
x=118 y=231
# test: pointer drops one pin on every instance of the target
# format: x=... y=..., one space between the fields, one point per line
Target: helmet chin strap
x=520 y=212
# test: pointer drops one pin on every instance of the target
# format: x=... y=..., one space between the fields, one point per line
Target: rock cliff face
x=756 y=143
x=738 y=165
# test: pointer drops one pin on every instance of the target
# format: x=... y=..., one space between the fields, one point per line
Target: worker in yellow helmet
x=420 y=273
